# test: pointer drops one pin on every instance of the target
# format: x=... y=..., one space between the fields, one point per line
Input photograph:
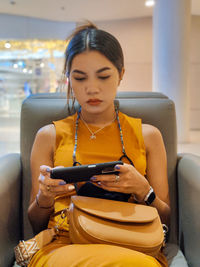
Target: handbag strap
x=45 y=237
x=63 y=211
x=25 y=250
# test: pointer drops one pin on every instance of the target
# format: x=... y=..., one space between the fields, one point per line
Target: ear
x=121 y=74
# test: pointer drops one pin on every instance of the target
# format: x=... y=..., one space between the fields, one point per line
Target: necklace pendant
x=93 y=136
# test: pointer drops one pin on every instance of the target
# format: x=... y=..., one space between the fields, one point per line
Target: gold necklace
x=93 y=134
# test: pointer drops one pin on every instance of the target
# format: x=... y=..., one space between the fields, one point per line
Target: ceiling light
x=15 y=65
x=150 y=3
x=7 y=45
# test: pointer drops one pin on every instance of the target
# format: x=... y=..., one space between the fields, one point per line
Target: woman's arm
x=132 y=182
x=41 y=154
x=45 y=188
x=157 y=170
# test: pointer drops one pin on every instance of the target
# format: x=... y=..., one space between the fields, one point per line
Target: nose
x=92 y=86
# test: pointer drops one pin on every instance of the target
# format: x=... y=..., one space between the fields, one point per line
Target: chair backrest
x=154 y=108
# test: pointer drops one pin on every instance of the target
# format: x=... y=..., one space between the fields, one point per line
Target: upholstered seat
x=183 y=173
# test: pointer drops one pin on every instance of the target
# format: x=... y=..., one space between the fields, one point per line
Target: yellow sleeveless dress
x=106 y=147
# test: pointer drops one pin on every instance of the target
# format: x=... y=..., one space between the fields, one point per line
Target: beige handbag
x=101 y=221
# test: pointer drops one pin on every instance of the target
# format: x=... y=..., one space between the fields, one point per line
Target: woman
x=94 y=67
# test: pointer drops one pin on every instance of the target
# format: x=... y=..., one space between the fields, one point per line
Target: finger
x=45 y=170
x=66 y=187
x=44 y=189
x=114 y=179
x=57 y=190
x=52 y=190
x=54 y=182
x=123 y=168
x=41 y=178
x=109 y=178
x=110 y=184
x=45 y=180
x=51 y=170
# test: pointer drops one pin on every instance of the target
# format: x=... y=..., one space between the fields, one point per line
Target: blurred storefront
x=26 y=67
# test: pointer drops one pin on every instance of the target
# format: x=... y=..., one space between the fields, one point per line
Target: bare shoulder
x=150 y=130
x=46 y=136
x=44 y=146
x=47 y=131
x=152 y=136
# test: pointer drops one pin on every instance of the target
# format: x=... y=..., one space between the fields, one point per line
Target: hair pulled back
x=89 y=38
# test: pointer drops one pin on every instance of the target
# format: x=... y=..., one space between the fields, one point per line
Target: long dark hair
x=86 y=38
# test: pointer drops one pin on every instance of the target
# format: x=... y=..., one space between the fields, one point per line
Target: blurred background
x=33 y=40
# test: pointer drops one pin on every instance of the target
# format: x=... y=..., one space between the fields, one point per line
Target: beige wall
x=135 y=36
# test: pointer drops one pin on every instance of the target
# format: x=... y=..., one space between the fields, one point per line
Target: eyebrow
x=98 y=71
x=78 y=71
x=103 y=69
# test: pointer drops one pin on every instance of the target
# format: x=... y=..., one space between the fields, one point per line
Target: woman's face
x=94 y=80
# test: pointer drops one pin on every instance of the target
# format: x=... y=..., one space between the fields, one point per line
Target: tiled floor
x=10 y=136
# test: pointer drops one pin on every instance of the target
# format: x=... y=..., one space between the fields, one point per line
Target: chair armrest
x=189 y=207
x=10 y=206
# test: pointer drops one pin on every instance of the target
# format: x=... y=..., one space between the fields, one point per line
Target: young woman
x=96 y=133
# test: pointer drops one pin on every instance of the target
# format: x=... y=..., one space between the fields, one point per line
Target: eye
x=104 y=77
x=79 y=79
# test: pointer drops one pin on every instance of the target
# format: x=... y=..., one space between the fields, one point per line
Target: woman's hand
x=128 y=181
x=50 y=188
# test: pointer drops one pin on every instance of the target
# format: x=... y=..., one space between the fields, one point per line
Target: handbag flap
x=115 y=210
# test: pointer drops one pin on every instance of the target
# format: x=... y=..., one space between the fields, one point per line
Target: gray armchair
x=183 y=173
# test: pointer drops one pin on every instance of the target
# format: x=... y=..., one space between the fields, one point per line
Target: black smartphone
x=84 y=172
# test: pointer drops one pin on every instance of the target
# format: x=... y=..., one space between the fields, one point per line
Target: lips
x=94 y=101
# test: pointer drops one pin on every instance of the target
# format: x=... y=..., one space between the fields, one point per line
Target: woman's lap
x=91 y=255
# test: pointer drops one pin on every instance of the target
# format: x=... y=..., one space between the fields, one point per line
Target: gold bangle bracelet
x=41 y=207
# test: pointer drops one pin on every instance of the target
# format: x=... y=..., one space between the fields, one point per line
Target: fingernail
x=42 y=177
x=71 y=187
x=99 y=183
x=117 y=167
x=48 y=169
x=62 y=183
x=93 y=178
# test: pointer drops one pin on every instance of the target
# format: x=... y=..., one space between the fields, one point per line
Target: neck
x=99 y=119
